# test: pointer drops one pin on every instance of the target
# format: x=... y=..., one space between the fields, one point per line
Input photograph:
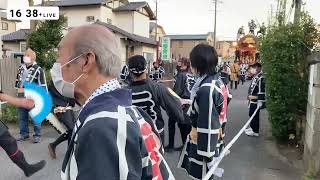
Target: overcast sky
x=197 y=16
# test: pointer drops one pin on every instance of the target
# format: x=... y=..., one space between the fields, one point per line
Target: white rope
x=222 y=154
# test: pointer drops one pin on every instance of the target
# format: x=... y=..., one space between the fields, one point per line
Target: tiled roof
x=135 y=6
x=20 y=35
x=132 y=6
x=131 y=36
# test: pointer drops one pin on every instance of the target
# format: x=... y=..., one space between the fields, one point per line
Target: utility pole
x=156 y=33
x=297 y=11
x=215 y=22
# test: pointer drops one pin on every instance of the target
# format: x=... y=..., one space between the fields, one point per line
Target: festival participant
x=9 y=143
x=31 y=72
x=63 y=110
x=243 y=71
x=111 y=139
x=256 y=97
x=125 y=78
x=225 y=73
x=234 y=77
x=157 y=72
x=208 y=102
x=182 y=87
x=152 y=96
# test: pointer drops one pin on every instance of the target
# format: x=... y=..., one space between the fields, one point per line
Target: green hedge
x=9 y=114
x=284 y=51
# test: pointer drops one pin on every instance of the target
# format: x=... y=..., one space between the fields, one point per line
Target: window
x=4 y=25
x=23 y=46
x=109 y=21
x=90 y=18
x=180 y=44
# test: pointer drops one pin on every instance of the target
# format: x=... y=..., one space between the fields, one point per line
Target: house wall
x=224 y=49
x=160 y=33
x=105 y=14
x=141 y=24
x=11 y=28
x=13 y=46
x=124 y=20
x=183 y=48
x=78 y=15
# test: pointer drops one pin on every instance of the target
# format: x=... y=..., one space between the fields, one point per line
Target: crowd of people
x=119 y=131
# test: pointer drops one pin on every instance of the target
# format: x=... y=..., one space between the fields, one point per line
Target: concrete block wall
x=312 y=131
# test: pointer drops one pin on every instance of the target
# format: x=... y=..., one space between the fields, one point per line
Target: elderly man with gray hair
x=31 y=72
x=111 y=138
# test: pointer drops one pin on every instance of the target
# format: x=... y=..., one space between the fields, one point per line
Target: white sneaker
x=251 y=133
x=219 y=172
x=249 y=129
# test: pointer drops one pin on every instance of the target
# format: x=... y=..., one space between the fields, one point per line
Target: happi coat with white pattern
x=114 y=140
x=207 y=117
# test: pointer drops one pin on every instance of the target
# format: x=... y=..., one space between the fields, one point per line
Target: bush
x=284 y=52
x=45 y=40
x=9 y=114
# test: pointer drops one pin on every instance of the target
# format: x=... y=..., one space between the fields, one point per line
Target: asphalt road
x=250 y=158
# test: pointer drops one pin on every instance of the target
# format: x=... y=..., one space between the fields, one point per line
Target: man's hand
x=20 y=90
x=194 y=135
x=252 y=97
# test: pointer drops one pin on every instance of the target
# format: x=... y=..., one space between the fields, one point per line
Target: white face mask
x=63 y=87
x=26 y=59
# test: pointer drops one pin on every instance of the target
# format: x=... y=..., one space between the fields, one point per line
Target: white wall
x=141 y=24
x=77 y=16
x=124 y=20
x=106 y=13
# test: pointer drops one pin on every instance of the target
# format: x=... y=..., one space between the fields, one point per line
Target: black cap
x=137 y=64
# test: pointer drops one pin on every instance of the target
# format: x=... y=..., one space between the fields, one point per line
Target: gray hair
x=32 y=52
x=104 y=44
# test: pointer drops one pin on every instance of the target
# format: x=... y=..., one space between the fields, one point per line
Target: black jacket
x=151 y=97
x=183 y=85
x=258 y=88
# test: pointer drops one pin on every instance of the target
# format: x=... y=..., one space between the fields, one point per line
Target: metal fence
x=8 y=72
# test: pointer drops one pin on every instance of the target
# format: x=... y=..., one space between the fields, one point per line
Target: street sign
x=165 y=45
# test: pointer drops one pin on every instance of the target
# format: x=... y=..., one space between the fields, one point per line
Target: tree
x=45 y=39
x=284 y=51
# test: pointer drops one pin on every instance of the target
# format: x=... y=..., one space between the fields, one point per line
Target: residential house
x=181 y=45
x=15 y=41
x=130 y=21
x=6 y=26
x=159 y=30
x=226 y=49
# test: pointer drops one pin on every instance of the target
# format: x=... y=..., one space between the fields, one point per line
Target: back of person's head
x=257 y=65
x=137 y=65
x=185 y=62
x=204 y=59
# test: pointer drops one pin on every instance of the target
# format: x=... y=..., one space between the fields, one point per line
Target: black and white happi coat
x=243 y=69
x=206 y=110
x=151 y=97
x=32 y=74
x=157 y=73
x=258 y=88
x=114 y=140
x=184 y=82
